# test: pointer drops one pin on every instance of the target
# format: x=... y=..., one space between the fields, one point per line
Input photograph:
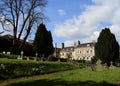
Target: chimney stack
x=78 y=42
x=62 y=45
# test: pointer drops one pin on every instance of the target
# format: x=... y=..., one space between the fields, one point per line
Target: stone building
x=84 y=51
x=67 y=53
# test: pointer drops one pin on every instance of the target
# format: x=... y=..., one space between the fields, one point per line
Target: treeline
x=42 y=44
x=6 y=44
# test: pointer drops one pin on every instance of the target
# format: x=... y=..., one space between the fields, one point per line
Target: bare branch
x=2 y=32
x=21 y=14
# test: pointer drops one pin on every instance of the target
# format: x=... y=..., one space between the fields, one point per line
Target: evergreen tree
x=43 y=41
x=107 y=48
x=49 y=44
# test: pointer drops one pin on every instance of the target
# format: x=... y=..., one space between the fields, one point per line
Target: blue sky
x=83 y=20
x=73 y=20
x=58 y=11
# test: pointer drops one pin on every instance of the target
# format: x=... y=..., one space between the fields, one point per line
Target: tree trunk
x=25 y=38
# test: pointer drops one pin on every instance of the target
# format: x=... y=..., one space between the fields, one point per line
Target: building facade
x=85 y=51
x=67 y=52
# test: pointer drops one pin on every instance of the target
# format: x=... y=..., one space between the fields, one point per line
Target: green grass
x=13 y=68
x=9 y=56
x=79 y=77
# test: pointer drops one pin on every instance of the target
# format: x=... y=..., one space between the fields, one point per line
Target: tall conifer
x=107 y=48
x=43 y=41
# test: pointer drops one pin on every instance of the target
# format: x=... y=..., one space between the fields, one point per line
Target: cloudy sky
x=72 y=20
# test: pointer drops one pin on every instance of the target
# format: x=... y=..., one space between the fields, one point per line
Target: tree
x=107 y=48
x=21 y=16
x=5 y=44
x=49 y=44
x=43 y=42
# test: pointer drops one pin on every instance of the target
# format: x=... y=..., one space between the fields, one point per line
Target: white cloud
x=69 y=43
x=61 y=12
x=116 y=30
x=86 y=27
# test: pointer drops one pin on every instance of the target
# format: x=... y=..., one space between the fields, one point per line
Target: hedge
x=18 y=68
x=9 y=56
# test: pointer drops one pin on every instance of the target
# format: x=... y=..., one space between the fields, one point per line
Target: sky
x=83 y=20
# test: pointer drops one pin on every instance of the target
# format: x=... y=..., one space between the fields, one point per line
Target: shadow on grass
x=61 y=83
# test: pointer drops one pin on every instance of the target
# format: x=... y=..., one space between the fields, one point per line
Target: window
x=88 y=45
x=87 y=58
x=79 y=51
x=87 y=51
x=91 y=51
x=83 y=58
x=80 y=58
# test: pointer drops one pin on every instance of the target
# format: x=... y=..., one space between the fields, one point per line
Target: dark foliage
x=52 y=58
x=49 y=44
x=6 y=44
x=63 y=60
x=107 y=48
x=28 y=49
x=43 y=42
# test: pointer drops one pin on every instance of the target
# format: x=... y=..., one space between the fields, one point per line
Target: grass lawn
x=78 y=77
x=13 y=68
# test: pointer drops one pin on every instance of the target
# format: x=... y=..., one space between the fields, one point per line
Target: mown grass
x=79 y=77
x=13 y=68
x=8 y=56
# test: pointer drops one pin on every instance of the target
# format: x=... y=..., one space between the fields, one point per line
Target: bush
x=5 y=44
x=63 y=60
x=12 y=69
x=52 y=58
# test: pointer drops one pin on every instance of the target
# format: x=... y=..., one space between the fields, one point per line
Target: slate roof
x=86 y=44
x=71 y=48
x=68 y=49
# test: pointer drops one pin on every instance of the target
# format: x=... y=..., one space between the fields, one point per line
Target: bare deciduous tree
x=21 y=16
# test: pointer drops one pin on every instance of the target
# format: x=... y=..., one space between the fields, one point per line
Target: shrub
x=63 y=60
